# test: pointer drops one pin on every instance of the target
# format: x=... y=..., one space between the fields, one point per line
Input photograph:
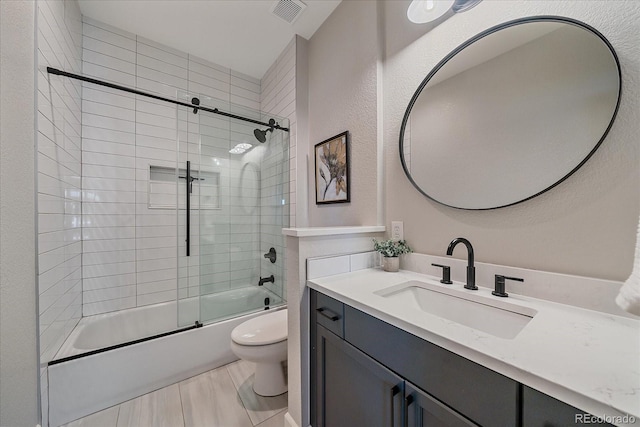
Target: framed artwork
x=332 y=170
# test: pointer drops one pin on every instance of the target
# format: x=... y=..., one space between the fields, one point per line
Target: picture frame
x=332 y=170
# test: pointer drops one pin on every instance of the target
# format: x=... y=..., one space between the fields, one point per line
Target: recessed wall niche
x=165 y=193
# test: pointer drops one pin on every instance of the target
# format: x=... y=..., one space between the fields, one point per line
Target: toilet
x=263 y=340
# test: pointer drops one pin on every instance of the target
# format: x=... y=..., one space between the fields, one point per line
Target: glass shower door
x=232 y=196
x=232 y=179
x=214 y=213
x=274 y=210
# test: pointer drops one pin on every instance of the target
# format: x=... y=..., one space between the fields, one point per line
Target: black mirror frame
x=423 y=84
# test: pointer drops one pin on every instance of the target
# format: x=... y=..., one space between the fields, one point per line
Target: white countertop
x=585 y=358
x=331 y=231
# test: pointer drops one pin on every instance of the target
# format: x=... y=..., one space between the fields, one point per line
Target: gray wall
x=585 y=226
x=18 y=325
x=343 y=95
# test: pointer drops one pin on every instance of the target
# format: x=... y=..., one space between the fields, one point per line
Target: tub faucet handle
x=271 y=255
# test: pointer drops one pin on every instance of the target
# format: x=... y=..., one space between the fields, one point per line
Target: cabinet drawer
x=328 y=312
x=484 y=396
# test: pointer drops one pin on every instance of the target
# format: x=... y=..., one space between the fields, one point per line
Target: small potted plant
x=390 y=251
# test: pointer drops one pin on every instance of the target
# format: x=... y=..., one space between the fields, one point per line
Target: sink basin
x=496 y=317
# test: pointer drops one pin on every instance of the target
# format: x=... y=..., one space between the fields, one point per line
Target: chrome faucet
x=471 y=270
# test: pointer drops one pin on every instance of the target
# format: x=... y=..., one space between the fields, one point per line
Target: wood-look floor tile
x=259 y=408
x=211 y=400
x=161 y=408
x=105 y=418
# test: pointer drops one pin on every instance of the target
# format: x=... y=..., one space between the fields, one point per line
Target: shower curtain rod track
x=195 y=101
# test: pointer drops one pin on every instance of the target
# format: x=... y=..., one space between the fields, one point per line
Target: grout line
x=118 y=416
x=184 y=422
x=135 y=153
x=275 y=415
x=237 y=390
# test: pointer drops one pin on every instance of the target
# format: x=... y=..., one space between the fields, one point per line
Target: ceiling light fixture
x=423 y=11
x=240 y=148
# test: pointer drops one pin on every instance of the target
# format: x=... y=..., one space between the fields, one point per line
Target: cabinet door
x=423 y=410
x=352 y=389
x=540 y=410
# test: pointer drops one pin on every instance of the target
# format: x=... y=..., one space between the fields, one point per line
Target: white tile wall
x=278 y=94
x=339 y=264
x=59 y=189
x=329 y=266
x=364 y=260
x=278 y=98
x=130 y=249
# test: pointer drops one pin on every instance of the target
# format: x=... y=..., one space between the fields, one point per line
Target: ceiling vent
x=289 y=10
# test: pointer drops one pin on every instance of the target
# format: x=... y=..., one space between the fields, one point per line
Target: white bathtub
x=109 y=329
x=88 y=384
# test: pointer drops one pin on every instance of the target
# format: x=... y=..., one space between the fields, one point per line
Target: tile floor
x=223 y=397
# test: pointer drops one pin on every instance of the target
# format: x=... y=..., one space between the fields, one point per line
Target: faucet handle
x=499 y=284
x=446 y=273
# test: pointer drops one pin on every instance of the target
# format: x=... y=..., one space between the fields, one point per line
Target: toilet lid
x=262 y=330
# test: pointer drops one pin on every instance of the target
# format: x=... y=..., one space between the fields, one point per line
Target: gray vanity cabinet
x=351 y=389
x=480 y=394
x=368 y=373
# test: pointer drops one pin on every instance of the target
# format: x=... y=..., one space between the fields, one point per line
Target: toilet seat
x=266 y=329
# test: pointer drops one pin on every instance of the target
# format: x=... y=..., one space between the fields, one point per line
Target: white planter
x=391 y=263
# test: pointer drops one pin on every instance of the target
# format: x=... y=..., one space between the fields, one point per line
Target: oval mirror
x=510 y=113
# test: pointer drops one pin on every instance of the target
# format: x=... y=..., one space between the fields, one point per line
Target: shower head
x=261 y=135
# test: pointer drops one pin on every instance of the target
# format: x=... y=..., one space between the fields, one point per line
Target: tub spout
x=264 y=280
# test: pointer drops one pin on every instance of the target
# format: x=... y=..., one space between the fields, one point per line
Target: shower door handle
x=189 y=180
x=188 y=195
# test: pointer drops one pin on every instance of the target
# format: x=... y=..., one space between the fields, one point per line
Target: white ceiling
x=239 y=34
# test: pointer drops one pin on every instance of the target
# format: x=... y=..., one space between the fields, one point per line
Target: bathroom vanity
x=378 y=358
